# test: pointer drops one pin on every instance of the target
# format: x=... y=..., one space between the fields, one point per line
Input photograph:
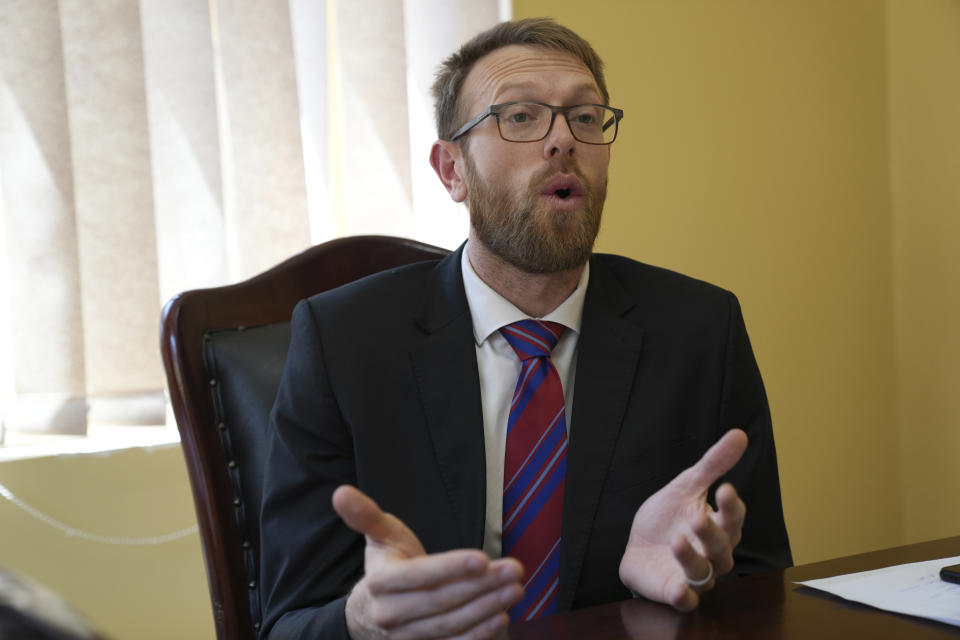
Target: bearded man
x=524 y=427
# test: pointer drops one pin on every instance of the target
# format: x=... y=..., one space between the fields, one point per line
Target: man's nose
x=559 y=140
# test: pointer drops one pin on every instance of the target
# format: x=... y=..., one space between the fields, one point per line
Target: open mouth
x=563 y=186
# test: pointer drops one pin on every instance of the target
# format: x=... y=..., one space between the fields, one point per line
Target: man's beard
x=525 y=232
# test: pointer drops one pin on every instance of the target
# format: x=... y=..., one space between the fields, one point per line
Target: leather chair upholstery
x=224 y=350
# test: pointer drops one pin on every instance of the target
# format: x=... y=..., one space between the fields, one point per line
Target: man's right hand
x=406 y=593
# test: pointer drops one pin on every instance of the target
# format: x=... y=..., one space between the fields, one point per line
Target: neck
x=536 y=294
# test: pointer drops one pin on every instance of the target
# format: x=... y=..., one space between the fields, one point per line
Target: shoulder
x=388 y=284
x=389 y=291
x=389 y=303
x=650 y=284
x=661 y=301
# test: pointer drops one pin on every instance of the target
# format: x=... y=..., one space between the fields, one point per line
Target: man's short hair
x=534 y=32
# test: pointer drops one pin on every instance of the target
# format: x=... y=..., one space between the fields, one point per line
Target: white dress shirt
x=499 y=369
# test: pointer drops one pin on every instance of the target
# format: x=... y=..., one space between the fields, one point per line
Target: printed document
x=914 y=589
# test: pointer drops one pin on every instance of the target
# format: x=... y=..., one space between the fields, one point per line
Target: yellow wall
x=925 y=141
x=154 y=592
x=755 y=154
x=804 y=154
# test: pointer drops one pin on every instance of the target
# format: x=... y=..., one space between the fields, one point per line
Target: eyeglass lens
x=528 y=121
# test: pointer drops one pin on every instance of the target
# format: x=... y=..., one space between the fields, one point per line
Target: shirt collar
x=490 y=311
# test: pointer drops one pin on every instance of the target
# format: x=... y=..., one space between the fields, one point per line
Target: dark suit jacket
x=381 y=390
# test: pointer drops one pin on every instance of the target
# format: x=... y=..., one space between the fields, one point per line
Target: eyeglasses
x=531 y=121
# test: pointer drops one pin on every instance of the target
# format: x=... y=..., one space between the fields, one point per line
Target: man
x=404 y=394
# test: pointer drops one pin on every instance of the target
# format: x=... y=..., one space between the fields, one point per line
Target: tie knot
x=533 y=338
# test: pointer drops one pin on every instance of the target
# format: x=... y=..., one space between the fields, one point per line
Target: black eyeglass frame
x=494 y=110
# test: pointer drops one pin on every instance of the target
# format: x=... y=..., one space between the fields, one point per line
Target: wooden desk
x=762 y=607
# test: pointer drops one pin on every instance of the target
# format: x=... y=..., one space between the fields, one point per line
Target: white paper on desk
x=914 y=589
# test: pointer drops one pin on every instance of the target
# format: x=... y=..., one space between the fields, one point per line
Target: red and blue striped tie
x=535 y=463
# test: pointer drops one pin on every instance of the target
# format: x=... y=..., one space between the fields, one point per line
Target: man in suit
x=385 y=512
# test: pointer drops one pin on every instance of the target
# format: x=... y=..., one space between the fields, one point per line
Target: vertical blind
x=151 y=147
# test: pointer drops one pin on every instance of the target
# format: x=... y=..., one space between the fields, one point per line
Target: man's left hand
x=678 y=539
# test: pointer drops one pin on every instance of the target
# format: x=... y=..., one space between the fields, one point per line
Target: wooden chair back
x=223 y=350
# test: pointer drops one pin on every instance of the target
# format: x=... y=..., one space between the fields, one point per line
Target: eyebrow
x=578 y=90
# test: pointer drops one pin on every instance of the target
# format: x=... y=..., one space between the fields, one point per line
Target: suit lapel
x=445 y=368
x=608 y=352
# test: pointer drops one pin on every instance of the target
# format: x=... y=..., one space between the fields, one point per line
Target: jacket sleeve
x=309 y=558
x=743 y=405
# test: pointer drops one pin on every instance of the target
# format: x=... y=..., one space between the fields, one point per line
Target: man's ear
x=447 y=160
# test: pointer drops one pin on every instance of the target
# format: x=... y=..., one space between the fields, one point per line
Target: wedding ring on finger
x=704 y=581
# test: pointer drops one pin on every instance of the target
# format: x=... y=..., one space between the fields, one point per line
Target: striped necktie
x=535 y=463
